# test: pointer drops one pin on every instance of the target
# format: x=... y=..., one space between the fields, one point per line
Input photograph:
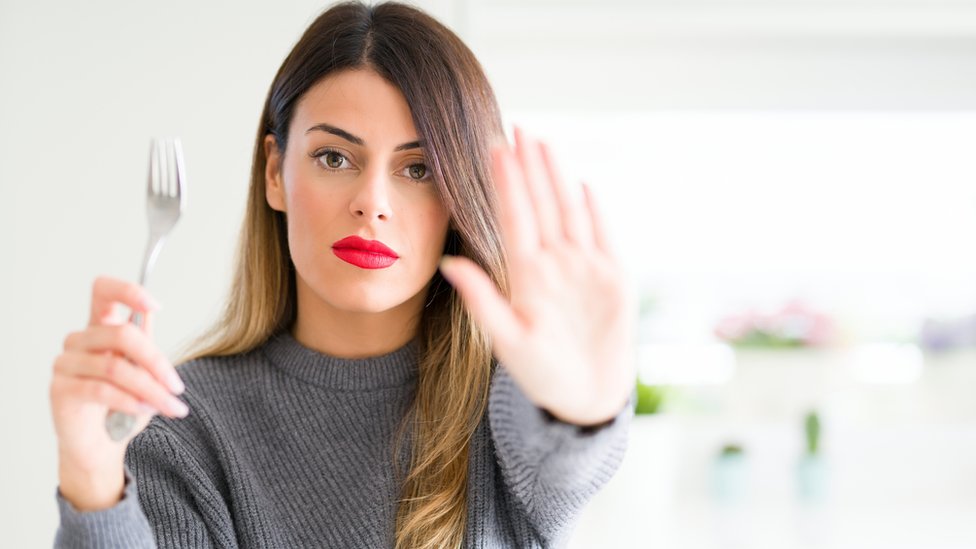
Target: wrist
x=91 y=490
x=583 y=428
x=585 y=424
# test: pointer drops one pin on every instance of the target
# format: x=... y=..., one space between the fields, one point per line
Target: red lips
x=365 y=254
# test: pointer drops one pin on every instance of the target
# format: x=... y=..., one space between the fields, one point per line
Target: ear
x=274 y=185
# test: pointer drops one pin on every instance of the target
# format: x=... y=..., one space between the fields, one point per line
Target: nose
x=371 y=199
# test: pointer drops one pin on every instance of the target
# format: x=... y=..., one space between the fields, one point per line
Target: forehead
x=359 y=101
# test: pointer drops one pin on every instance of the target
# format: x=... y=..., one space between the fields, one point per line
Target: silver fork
x=165 y=200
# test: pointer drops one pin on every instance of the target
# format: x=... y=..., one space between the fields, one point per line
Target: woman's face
x=366 y=227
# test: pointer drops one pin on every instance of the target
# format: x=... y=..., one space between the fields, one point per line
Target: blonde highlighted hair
x=456 y=116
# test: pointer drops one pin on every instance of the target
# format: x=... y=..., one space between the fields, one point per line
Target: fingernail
x=178 y=408
x=175 y=383
x=147 y=410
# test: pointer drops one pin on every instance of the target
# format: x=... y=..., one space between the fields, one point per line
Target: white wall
x=84 y=85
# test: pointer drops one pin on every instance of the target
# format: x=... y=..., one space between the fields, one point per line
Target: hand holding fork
x=111 y=373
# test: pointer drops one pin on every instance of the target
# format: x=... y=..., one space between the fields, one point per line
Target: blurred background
x=791 y=183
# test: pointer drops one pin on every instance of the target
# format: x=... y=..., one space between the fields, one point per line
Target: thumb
x=147 y=321
x=487 y=305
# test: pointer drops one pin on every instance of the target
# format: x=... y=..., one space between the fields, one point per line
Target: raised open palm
x=565 y=336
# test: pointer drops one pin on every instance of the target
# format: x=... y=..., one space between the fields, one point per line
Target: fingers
x=537 y=208
x=92 y=390
x=147 y=324
x=538 y=187
x=571 y=213
x=128 y=341
x=487 y=305
x=518 y=226
x=596 y=222
x=112 y=380
x=108 y=292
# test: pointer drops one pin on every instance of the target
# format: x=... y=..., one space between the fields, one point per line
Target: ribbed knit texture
x=286 y=447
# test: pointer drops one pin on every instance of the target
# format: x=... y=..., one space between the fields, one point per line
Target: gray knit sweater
x=287 y=447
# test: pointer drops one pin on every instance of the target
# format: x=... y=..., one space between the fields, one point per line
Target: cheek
x=308 y=220
x=307 y=202
x=297 y=191
x=436 y=222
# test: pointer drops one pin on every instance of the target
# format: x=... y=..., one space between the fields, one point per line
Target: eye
x=418 y=172
x=331 y=160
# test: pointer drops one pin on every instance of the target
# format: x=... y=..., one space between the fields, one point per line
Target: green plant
x=762 y=339
x=648 y=302
x=649 y=399
x=731 y=450
x=812 y=428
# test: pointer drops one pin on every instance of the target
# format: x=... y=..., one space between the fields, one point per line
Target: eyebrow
x=339 y=132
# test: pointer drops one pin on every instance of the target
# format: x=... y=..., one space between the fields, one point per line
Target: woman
x=350 y=396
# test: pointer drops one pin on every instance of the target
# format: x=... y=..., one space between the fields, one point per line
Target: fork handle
x=118 y=425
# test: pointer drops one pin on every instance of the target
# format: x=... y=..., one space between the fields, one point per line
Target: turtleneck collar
x=393 y=369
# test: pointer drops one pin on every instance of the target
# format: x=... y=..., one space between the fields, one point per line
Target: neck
x=353 y=334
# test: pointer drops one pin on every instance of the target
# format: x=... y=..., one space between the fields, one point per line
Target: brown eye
x=333 y=159
x=417 y=171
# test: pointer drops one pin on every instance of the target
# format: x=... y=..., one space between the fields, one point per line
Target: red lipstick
x=365 y=254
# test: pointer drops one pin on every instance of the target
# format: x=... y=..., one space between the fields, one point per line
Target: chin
x=365 y=301
x=361 y=295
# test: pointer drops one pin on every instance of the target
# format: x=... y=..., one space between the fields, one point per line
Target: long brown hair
x=456 y=116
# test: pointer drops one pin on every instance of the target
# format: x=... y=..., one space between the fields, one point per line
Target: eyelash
x=317 y=155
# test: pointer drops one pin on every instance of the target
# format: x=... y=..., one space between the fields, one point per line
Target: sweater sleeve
x=552 y=468
x=121 y=526
x=168 y=502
